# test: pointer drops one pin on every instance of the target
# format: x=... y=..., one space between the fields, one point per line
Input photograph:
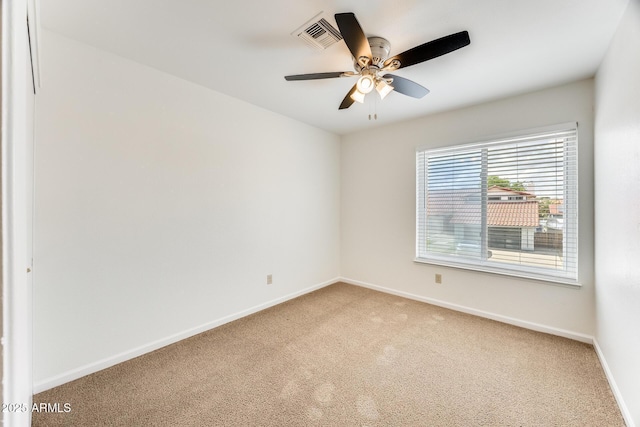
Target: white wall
x=617 y=207
x=161 y=206
x=378 y=211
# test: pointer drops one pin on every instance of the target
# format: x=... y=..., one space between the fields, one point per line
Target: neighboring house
x=512 y=217
x=556 y=216
x=556 y=209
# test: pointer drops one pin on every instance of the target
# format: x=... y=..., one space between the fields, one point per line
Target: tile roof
x=556 y=208
x=513 y=214
x=465 y=209
x=498 y=189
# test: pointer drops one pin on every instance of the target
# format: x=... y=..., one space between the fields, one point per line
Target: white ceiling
x=243 y=48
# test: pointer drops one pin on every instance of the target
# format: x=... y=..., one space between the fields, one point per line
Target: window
x=505 y=206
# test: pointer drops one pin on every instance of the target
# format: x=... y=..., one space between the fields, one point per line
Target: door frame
x=17 y=307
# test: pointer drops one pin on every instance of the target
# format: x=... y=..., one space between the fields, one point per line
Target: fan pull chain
x=375 y=109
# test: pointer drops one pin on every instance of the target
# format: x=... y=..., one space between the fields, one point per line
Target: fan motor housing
x=380 y=49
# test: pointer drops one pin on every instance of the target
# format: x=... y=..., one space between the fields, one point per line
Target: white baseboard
x=488 y=315
x=99 y=365
x=614 y=387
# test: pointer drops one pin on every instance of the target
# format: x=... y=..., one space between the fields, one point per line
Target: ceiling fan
x=372 y=63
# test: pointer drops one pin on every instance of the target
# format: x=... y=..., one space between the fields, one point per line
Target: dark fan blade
x=315 y=76
x=348 y=101
x=431 y=49
x=406 y=86
x=353 y=35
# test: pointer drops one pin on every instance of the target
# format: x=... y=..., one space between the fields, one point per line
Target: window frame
x=567 y=276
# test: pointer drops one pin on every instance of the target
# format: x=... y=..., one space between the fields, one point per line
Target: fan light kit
x=372 y=64
x=365 y=84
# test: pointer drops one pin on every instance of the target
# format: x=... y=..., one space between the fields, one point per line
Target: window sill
x=558 y=281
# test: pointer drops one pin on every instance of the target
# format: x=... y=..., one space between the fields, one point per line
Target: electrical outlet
x=439 y=278
x=269 y=279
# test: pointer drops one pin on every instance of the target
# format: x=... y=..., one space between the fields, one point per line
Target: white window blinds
x=506 y=206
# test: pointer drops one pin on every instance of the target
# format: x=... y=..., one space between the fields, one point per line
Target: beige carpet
x=349 y=356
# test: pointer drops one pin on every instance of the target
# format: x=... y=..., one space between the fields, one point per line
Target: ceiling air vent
x=318 y=33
